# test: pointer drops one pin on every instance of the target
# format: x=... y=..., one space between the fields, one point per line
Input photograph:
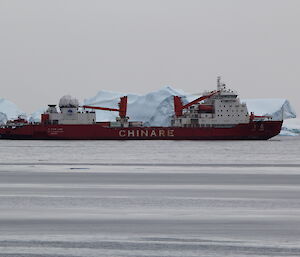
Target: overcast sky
x=56 y=47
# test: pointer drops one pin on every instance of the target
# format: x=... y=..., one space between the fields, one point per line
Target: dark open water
x=143 y=198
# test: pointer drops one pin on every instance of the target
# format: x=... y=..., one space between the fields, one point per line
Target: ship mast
x=219 y=82
x=221 y=86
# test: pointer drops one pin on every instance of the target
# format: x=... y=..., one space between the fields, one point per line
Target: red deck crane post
x=253 y=117
x=179 y=107
x=122 y=107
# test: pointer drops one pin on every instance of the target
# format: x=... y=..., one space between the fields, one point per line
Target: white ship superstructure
x=69 y=113
x=221 y=108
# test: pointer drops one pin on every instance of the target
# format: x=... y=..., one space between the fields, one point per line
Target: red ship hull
x=260 y=130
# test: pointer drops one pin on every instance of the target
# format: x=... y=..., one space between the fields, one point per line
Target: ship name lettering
x=153 y=133
x=130 y=133
x=55 y=131
x=161 y=133
x=171 y=133
x=146 y=133
x=122 y=133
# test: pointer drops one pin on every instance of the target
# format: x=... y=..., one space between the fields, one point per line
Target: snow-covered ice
x=291 y=127
x=36 y=116
x=3 y=118
x=150 y=198
x=277 y=108
x=146 y=108
x=8 y=110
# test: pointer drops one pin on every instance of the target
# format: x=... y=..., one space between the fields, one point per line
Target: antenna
x=221 y=86
x=219 y=82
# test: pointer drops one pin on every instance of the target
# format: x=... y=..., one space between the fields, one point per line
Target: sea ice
x=290 y=127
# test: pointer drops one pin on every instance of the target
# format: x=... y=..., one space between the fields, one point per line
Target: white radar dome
x=68 y=101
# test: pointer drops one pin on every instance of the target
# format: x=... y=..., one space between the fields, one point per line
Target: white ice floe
x=290 y=127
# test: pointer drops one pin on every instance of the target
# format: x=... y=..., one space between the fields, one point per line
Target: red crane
x=122 y=107
x=179 y=107
x=253 y=117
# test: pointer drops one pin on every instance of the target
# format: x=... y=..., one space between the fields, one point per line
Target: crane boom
x=252 y=116
x=100 y=108
x=179 y=107
x=122 y=107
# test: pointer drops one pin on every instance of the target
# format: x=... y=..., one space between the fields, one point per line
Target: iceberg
x=277 y=108
x=36 y=116
x=147 y=108
x=108 y=99
x=3 y=118
x=140 y=107
x=9 y=110
x=290 y=127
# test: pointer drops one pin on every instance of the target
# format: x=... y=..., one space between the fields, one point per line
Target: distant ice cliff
x=8 y=110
